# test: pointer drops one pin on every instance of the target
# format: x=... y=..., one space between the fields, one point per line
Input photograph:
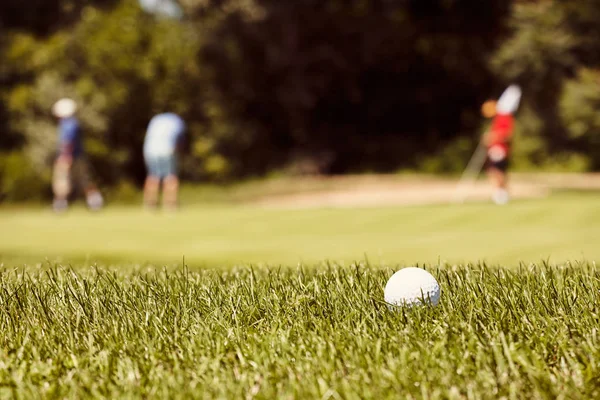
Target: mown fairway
x=298 y=333
x=562 y=227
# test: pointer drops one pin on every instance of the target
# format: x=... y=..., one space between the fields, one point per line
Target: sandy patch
x=377 y=190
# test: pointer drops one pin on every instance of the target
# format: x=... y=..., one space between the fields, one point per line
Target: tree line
x=308 y=86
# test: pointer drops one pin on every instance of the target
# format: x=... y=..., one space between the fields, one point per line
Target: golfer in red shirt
x=498 y=139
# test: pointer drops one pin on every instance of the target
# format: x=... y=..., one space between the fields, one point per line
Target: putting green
x=562 y=227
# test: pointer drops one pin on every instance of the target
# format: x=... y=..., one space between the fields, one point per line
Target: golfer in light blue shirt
x=163 y=138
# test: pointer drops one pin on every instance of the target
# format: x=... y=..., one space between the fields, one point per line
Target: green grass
x=89 y=314
x=562 y=227
x=529 y=332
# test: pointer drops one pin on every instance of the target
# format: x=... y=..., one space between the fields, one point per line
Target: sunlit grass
x=311 y=332
x=562 y=227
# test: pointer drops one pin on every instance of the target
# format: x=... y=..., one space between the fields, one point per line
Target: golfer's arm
x=492 y=137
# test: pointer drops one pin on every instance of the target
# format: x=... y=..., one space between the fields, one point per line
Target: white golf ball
x=410 y=286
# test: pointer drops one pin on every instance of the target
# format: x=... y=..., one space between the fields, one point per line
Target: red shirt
x=501 y=131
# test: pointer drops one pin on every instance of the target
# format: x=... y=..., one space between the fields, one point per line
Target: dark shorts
x=501 y=165
x=498 y=157
x=161 y=166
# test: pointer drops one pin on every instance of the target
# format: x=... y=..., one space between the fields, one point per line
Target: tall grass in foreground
x=531 y=332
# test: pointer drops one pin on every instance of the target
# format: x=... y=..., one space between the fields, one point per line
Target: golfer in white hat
x=70 y=165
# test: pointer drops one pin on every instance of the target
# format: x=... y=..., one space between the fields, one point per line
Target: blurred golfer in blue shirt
x=71 y=167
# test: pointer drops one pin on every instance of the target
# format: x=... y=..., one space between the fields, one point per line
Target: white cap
x=167 y=8
x=508 y=103
x=64 y=108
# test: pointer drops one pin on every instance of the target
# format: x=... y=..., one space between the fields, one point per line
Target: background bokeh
x=300 y=87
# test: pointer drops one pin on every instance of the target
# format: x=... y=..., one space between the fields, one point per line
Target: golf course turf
x=247 y=302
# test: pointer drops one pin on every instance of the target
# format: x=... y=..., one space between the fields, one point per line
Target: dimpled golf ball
x=412 y=286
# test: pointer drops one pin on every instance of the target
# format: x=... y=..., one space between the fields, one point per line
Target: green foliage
x=375 y=86
x=253 y=79
x=550 y=52
x=540 y=51
x=580 y=109
x=362 y=81
x=453 y=158
x=298 y=333
x=120 y=66
x=19 y=181
x=125 y=192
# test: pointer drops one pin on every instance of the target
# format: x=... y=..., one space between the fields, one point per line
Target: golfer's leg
x=492 y=174
x=152 y=183
x=171 y=185
x=61 y=186
x=93 y=197
x=498 y=178
x=502 y=180
x=503 y=196
x=151 y=191
x=170 y=192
